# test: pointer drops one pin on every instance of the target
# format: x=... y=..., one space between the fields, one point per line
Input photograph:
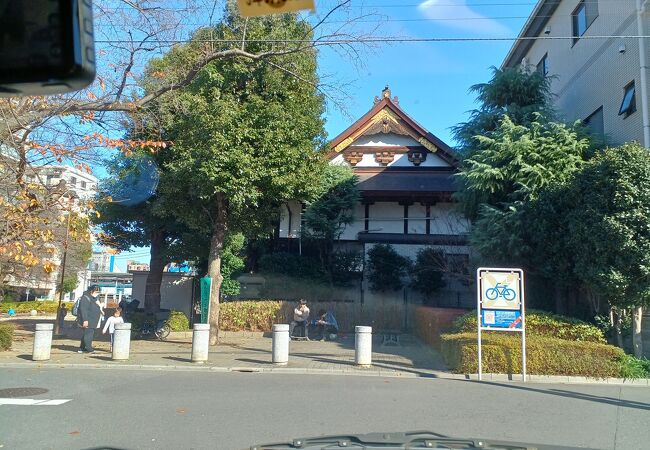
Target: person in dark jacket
x=89 y=316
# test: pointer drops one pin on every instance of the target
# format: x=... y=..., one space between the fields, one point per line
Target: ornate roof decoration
x=353 y=157
x=384 y=158
x=387 y=117
x=416 y=157
x=385 y=93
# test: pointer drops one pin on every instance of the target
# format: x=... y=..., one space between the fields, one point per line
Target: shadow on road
x=570 y=394
x=177 y=358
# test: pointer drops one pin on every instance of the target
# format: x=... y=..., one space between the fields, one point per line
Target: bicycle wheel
x=509 y=294
x=491 y=294
x=163 y=331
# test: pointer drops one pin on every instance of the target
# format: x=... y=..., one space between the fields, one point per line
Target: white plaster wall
x=417 y=219
x=350 y=231
x=447 y=219
x=432 y=160
x=386 y=217
x=294 y=232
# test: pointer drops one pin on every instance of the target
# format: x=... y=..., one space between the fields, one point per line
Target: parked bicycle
x=500 y=290
x=152 y=326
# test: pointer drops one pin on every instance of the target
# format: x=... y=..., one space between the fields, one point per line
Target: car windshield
x=324 y=223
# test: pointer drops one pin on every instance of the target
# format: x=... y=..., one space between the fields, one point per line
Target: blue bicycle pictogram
x=500 y=290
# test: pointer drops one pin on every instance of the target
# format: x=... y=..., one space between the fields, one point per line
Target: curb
x=217 y=369
x=349 y=371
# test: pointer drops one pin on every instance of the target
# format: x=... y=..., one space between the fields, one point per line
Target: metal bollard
x=121 y=341
x=200 y=342
x=280 y=354
x=363 y=346
x=42 y=341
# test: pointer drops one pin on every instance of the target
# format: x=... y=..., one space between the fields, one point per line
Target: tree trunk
x=214 y=264
x=572 y=301
x=154 y=278
x=617 y=327
x=559 y=300
x=637 y=339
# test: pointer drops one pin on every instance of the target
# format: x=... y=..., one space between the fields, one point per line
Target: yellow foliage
x=49 y=266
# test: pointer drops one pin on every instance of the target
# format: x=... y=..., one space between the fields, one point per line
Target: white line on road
x=32 y=402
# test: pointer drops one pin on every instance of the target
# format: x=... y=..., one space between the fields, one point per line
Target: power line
x=419 y=19
x=380 y=40
x=362 y=6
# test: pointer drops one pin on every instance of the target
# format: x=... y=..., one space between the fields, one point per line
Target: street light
x=57 y=327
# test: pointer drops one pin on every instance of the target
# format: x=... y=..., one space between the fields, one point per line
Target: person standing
x=111 y=322
x=89 y=318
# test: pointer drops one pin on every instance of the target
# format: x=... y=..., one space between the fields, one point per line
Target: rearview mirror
x=46 y=46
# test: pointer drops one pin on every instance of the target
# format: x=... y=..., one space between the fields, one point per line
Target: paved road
x=140 y=409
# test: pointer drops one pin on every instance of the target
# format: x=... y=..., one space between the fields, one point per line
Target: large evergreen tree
x=244 y=134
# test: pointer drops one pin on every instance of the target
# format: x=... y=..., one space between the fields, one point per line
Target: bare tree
x=78 y=128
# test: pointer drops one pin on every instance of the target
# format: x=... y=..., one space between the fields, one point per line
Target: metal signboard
x=206 y=285
x=252 y=8
x=500 y=306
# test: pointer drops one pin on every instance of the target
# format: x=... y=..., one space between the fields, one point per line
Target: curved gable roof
x=426 y=138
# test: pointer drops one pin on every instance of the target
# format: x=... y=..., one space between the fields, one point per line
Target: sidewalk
x=245 y=351
x=251 y=352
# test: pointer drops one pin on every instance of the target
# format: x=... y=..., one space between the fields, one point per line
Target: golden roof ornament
x=385 y=93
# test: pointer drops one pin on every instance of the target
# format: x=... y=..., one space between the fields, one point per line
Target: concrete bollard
x=280 y=354
x=121 y=341
x=200 y=342
x=42 y=341
x=363 y=346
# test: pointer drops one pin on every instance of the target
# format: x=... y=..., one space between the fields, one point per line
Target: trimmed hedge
x=6 y=336
x=249 y=315
x=544 y=355
x=178 y=321
x=22 y=307
x=543 y=323
x=632 y=367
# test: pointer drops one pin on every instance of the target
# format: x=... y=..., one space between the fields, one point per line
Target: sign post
x=253 y=8
x=206 y=283
x=500 y=306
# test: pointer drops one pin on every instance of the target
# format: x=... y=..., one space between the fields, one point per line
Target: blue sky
x=430 y=79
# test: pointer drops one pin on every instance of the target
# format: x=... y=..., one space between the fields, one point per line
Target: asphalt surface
x=144 y=409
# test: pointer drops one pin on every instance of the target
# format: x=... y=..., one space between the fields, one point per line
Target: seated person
x=327 y=325
x=300 y=317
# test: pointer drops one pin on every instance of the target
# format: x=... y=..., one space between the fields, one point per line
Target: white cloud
x=447 y=11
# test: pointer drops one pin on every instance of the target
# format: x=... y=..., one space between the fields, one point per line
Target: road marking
x=32 y=402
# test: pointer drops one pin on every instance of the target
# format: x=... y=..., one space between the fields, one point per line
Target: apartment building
x=83 y=184
x=597 y=58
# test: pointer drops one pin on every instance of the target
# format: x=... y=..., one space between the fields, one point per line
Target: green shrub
x=178 y=321
x=346 y=266
x=24 y=307
x=6 y=336
x=386 y=268
x=632 y=367
x=292 y=265
x=426 y=271
x=543 y=323
x=249 y=315
x=501 y=353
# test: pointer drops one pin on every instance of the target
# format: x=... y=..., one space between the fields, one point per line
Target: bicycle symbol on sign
x=500 y=290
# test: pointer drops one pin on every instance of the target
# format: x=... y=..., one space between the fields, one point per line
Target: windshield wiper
x=401 y=441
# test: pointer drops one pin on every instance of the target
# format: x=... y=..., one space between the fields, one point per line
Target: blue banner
x=498 y=318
